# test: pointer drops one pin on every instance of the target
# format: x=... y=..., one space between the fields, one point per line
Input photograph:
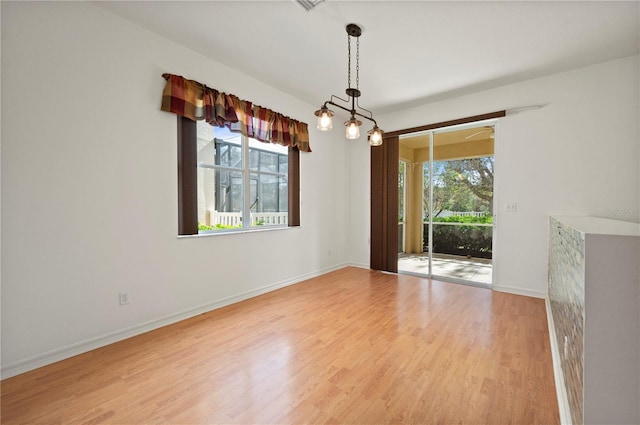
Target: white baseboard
x=34 y=362
x=500 y=288
x=558 y=375
x=520 y=291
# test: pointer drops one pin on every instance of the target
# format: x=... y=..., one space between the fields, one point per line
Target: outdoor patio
x=445 y=265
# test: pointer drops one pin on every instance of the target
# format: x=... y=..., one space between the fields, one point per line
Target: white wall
x=88 y=180
x=89 y=204
x=577 y=155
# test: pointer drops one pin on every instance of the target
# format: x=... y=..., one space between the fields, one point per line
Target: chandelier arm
x=337 y=97
x=337 y=105
x=351 y=111
x=366 y=117
x=364 y=109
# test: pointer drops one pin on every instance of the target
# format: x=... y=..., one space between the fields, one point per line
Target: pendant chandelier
x=324 y=114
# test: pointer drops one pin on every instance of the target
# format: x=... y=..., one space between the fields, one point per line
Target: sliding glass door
x=448 y=205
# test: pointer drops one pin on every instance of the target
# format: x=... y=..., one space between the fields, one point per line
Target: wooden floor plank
x=352 y=346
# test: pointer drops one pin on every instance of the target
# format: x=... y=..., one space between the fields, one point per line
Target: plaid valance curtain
x=196 y=101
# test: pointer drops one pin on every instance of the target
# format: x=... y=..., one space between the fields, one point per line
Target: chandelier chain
x=358 y=62
x=349 y=62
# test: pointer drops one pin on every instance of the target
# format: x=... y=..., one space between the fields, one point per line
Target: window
x=268 y=180
x=228 y=164
x=230 y=182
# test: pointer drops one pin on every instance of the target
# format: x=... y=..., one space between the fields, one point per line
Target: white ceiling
x=410 y=51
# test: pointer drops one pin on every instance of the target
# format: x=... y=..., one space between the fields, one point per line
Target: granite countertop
x=599 y=226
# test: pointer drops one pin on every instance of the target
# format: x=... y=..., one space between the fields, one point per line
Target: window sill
x=239 y=231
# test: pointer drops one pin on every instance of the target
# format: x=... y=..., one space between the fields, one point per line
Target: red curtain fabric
x=196 y=101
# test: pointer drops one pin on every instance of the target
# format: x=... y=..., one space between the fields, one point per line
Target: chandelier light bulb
x=353 y=128
x=375 y=136
x=325 y=122
x=324 y=119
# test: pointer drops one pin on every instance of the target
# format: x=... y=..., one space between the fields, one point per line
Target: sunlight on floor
x=471 y=269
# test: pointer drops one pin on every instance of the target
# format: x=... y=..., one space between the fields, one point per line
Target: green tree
x=476 y=174
x=460 y=185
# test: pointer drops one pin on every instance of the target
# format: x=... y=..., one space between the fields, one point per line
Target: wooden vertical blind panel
x=376 y=260
x=294 y=186
x=384 y=206
x=187 y=177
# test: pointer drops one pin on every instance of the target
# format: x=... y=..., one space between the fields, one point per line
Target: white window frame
x=246 y=172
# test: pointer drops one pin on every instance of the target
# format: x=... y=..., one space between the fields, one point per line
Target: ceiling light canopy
x=324 y=114
x=309 y=4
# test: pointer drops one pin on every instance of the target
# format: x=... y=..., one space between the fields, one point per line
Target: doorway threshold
x=449 y=268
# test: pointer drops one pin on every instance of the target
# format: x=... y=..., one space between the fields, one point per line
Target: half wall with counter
x=594 y=300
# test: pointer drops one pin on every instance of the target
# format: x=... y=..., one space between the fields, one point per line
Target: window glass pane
x=269 y=147
x=205 y=143
x=228 y=148
x=206 y=195
x=283 y=194
x=284 y=164
x=236 y=192
x=228 y=191
x=253 y=195
x=222 y=153
x=270 y=204
x=254 y=158
x=268 y=193
x=235 y=156
x=269 y=162
x=220 y=191
x=267 y=157
x=218 y=146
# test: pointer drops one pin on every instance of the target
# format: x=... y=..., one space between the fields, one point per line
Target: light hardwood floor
x=350 y=347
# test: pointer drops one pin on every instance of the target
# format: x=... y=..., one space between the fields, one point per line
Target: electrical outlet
x=511 y=207
x=125 y=298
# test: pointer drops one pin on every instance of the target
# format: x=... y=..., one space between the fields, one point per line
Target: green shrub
x=464 y=240
x=217 y=226
x=483 y=219
x=227 y=226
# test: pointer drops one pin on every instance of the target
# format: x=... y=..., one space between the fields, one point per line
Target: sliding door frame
x=384 y=192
